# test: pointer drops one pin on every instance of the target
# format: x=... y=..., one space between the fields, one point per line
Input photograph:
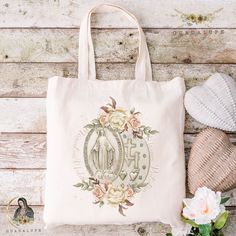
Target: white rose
x=134 y=122
x=117 y=119
x=204 y=207
x=115 y=196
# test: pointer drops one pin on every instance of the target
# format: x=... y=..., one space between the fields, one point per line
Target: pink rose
x=129 y=192
x=134 y=122
x=103 y=118
x=99 y=192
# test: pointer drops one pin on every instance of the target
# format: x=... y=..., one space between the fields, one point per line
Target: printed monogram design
x=116 y=156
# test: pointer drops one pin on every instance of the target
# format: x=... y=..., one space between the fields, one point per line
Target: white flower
x=117 y=119
x=115 y=195
x=204 y=207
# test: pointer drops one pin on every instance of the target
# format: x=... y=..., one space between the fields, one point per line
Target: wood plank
x=23 y=115
x=142 y=229
x=30 y=183
x=29 y=115
x=28 y=151
x=230 y=228
x=120 y=45
x=30 y=79
x=69 y=13
x=22 y=151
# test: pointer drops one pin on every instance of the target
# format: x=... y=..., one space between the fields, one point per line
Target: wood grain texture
x=16 y=183
x=22 y=151
x=39 y=39
x=29 y=115
x=23 y=163
x=30 y=183
x=69 y=13
x=30 y=79
x=28 y=151
x=141 y=229
x=20 y=115
x=120 y=45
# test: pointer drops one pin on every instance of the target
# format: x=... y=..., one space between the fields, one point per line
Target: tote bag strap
x=87 y=68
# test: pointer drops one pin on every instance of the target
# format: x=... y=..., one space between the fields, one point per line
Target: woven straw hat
x=212 y=162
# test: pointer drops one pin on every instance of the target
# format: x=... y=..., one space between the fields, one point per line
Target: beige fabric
x=144 y=175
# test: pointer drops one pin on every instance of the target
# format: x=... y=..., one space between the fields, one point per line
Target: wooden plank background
x=39 y=39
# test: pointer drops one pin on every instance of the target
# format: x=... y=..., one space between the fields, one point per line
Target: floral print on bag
x=117 y=156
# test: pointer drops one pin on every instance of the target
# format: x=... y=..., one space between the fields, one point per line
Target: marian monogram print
x=116 y=156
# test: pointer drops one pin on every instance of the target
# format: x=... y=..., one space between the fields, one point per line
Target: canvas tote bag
x=115 y=151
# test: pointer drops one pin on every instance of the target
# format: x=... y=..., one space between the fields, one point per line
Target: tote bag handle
x=87 y=68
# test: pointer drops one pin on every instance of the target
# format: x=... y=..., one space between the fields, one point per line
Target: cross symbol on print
x=130 y=156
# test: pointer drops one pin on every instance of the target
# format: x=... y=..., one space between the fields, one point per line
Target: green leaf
x=205 y=230
x=141 y=185
x=132 y=110
x=224 y=200
x=78 y=185
x=101 y=203
x=221 y=220
x=95 y=121
x=146 y=131
x=136 y=189
x=91 y=182
x=153 y=132
x=89 y=126
x=190 y=222
x=85 y=186
x=169 y=234
x=90 y=188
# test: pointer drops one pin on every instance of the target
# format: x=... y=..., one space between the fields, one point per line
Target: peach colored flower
x=103 y=118
x=99 y=192
x=134 y=122
x=129 y=192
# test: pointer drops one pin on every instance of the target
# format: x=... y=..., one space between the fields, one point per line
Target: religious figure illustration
x=103 y=153
x=117 y=156
x=23 y=213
